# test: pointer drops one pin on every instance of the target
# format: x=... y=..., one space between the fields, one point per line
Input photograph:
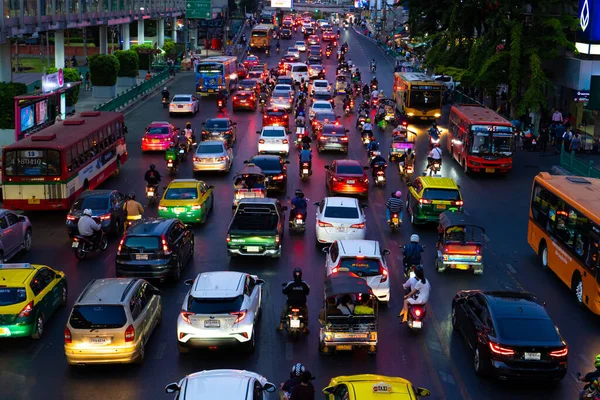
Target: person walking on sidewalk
x=544 y=137
x=566 y=138
x=576 y=143
x=558 y=136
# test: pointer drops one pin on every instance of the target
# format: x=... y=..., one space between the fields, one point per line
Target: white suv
x=320 y=86
x=364 y=258
x=221 y=308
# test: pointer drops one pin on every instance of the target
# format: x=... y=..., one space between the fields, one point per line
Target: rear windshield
x=321 y=84
x=441 y=194
x=91 y=202
x=216 y=124
x=341 y=212
x=158 y=130
x=243 y=95
x=334 y=130
x=181 y=98
x=300 y=68
x=322 y=105
x=248 y=84
x=254 y=221
x=210 y=149
x=278 y=113
x=360 y=266
x=286 y=81
x=316 y=49
x=214 y=306
x=282 y=93
x=181 y=194
x=273 y=133
x=141 y=242
x=322 y=96
x=325 y=116
x=350 y=169
x=98 y=317
x=300 y=44
x=10 y=296
x=268 y=164
x=523 y=329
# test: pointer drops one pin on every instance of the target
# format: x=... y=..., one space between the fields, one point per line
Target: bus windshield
x=31 y=163
x=210 y=68
x=425 y=99
x=486 y=143
x=259 y=33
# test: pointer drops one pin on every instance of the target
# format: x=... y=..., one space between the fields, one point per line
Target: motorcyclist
x=299 y=203
x=166 y=94
x=412 y=253
x=394 y=205
x=419 y=291
x=373 y=63
x=306 y=141
x=305 y=390
x=152 y=177
x=365 y=90
x=182 y=138
x=372 y=147
x=378 y=163
x=338 y=33
x=295 y=375
x=434 y=155
x=296 y=291
x=374 y=82
x=189 y=132
x=171 y=154
x=222 y=96
x=88 y=228
x=300 y=109
x=434 y=132
x=368 y=128
x=133 y=208
x=374 y=96
x=594 y=375
x=300 y=120
x=347 y=102
x=305 y=156
x=263 y=97
x=407 y=159
x=278 y=46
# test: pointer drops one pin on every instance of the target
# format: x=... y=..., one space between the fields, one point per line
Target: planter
x=142 y=73
x=126 y=81
x=104 y=92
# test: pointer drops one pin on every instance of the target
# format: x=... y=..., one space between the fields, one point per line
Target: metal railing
x=577 y=166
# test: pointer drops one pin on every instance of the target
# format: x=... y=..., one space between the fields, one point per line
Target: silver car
x=15 y=234
x=184 y=104
x=282 y=99
x=213 y=155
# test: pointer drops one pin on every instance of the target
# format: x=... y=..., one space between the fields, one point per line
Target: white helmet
x=414 y=238
x=87 y=212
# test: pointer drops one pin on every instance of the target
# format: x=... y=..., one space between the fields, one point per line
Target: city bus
x=479 y=139
x=261 y=37
x=216 y=73
x=268 y=19
x=564 y=231
x=418 y=95
x=49 y=169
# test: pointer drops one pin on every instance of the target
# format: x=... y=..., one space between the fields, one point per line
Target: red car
x=347 y=177
x=328 y=36
x=242 y=71
x=158 y=136
x=274 y=116
x=245 y=99
x=251 y=61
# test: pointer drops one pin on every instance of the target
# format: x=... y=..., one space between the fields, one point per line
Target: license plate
x=141 y=256
x=440 y=206
x=395 y=220
x=490 y=170
x=253 y=249
x=333 y=140
x=155 y=141
x=98 y=340
x=532 y=356
x=179 y=210
x=294 y=323
x=344 y=347
x=181 y=151
x=179 y=106
x=299 y=222
x=242 y=101
x=351 y=182
x=212 y=323
x=33 y=201
x=341 y=229
x=75 y=245
x=215 y=133
x=380 y=178
x=4 y=332
x=417 y=324
x=210 y=90
x=150 y=194
x=305 y=171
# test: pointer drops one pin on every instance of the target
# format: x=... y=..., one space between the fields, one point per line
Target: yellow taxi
x=429 y=196
x=372 y=387
x=29 y=295
x=188 y=200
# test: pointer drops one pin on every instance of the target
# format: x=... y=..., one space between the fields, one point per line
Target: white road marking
x=511 y=269
x=466 y=213
x=161 y=351
x=289 y=351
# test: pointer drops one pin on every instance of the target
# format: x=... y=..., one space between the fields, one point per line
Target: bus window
x=69 y=160
x=9 y=163
x=32 y=163
x=53 y=162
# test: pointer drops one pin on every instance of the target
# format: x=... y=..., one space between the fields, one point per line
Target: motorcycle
x=374 y=102
x=263 y=104
x=151 y=194
x=406 y=172
x=379 y=175
x=366 y=138
x=82 y=246
x=394 y=222
x=300 y=132
x=361 y=121
x=589 y=391
x=165 y=102
x=298 y=222
x=435 y=167
x=433 y=141
x=416 y=315
x=182 y=152
x=220 y=105
x=328 y=54
x=347 y=110
x=373 y=68
x=267 y=52
x=339 y=36
x=305 y=171
x=172 y=166
x=529 y=143
x=278 y=49
x=294 y=323
x=374 y=86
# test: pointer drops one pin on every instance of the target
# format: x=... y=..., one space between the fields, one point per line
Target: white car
x=273 y=139
x=340 y=218
x=320 y=86
x=298 y=72
x=184 y=103
x=222 y=384
x=319 y=106
x=314 y=70
x=212 y=155
x=448 y=81
x=221 y=308
x=364 y=258
x=300 y=45
x=293 y=50
x=283 y=87
x=282 y=99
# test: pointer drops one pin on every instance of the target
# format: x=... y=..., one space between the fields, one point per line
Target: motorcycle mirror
x=422 y=392
x=364 y=205
x=386 y=252
x=188 y=282
x=325 y=249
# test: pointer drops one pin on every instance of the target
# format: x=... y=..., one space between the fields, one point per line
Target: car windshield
x=210 y=149
x=267 y=164
x=315 y=49
x=214 y=306
x=360 y=266
x=441 y=194
x=248 y=84
x=301 y=44
x=350 y=169
x=527 y=329
x=282 y=94
x=218 y=124
x=273 y=133
x=181 y=194
x=182 y=99
x=98 y=317
x=10 y=296
x=141 y=243
x=158 y=130
x=483 y=143
x=300 y=68
x=341 y=212
x=91 y=202
x=426 y=99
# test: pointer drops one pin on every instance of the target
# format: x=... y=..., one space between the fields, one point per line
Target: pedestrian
x=544 y=136
x=558 y=136
x=576 y=143
x=88 y=81
x=553 y=134
x=557 y=117
x=566 y=138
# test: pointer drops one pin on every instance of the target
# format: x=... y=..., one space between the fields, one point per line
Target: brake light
x=185 y=315
x=162 y=208
x=324 y=224
x=120 y=246
x=384 y=275
x=71 y=218
x=277 y=239
x=323 y=138
x=195 y=159
x=418 y=312
x=130 y=334
x=228 y=239
x=458 y=203
x=285 y=141
x=337 y=179
x=67 y=335
x=235 y=98
x=104 y=217
x=26 y=311
x=560 y=353
x=165 y=247
x=261 y=141
x=197 y=207
x=424 y=201
x=278 y=177
x=240 y=315
x=358 y=226
x=295 y=310
x=344 y=139
x=222 y=158
x=334 y=270
x=503 y=351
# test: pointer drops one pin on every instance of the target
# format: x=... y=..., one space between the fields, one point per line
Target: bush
x=128 y=63
x=8 y=90
x=70 y=75
x=144 y=52
x=104 y=69
x=169 y=48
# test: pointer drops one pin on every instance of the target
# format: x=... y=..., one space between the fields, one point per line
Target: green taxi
x=188 y=200
x=429 y=196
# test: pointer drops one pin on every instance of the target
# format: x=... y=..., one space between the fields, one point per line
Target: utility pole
x=384 y=17
x=225 y=26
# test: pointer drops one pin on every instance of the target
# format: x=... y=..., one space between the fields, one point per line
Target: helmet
x=188 y=125
x=297 y=370
x=88 y=212
x=152 y=166
x=434 y=124
x=297 y=274
x=597 y=361
x=171 y=145
x=369 y=120
x=165 y=88
x=301 y=114
x=419 y=273
x=132 y=196
x=299 y=193
x=414 y=238
x=398 y=194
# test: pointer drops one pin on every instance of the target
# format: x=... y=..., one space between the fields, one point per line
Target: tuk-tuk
x=341 y=84
x=460 y=243
x=402 y=140
x=386 y=113
x=348 y=319
x=249 y=182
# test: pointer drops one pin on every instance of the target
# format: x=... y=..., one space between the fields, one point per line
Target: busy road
x=435 y=358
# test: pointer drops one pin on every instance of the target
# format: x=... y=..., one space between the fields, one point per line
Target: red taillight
x=285 y=141
x=235 y=98
x=384 y=275
x=129 y=334
x=228 y=239
x=197 y=207
x=185 y=315
x=26 y=311
x=71 y=218
x=278 y=177
x=261 y=141
x=104 y=217
x=418 y=312
x=299 y=216
x=334 y=270
x=323 y=138
x=222 y=158
x=394 y=215
x=324 y=224
x=358 y=226
x=424 y=201
x=503 y=351
x=67 y=335
x=165 y=247
x=240 y=315
x=560 y=353
x=277 y=239
x=120 y=246
x=295 y=310
x=195 y=159
x=458 y=203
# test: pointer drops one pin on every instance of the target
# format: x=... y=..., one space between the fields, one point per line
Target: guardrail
x=125 y=98
x=578 y=166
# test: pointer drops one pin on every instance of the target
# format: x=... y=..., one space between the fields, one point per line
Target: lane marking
x=511 y=269
x=37 y=351
x=448 y=378
x=161 y=351
x=486 y=237
x=466 y=213
x=289 y=351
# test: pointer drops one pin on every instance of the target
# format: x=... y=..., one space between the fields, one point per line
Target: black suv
x=275 y=170
x=155 y=248
x=107 y=209
x=220 y=129
x=286 y=33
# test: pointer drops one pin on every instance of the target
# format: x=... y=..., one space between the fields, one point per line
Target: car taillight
x=165 y=247
x=503 y=351
x=458 y=203
x=120 y=246
x=228 y=239
x=185 y=315
x=162 y=208
x=334 y=270
x=324 y=224
x=197 y=207
x=240 y=315
x=358 y=226
x=323 y=138
x=71 y=218
x=285 y=141
x=305 y=165
x=222 y=158
x=560 y=353
x=104 y=217
x=129 y=334
x=344 y=139
x=26 y=310
x=195 y=159
x=424 y=201
x=67 y=335
x=279 y=177
x=235 y=98
x=261 y=141
x=277 y=239
x=384 y=275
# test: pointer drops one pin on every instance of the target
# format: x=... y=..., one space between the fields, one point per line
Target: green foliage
x=128 y=63
x=534 y=97
x=8 y=90
x=169 y=48
x=70 y=75
x=144 y=55
x=514 y=76
x=104 y=69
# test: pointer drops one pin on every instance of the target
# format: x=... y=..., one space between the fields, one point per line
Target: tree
x=145 y=52
x=104 y=69
x=128 y=63
x=70 y=75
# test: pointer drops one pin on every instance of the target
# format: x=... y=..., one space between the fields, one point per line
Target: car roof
x=107 y=291
x=217 y=119
x=321 y=102
x=184 y=183
x=182 y=95
x=14 y=274
x=515 y=304
x=348 y=162
x=220 y=384
x=367 y=248
x=438 y=182
x=363 y=385
x=159 y=123
x=211 y=142
x=265 y=157
x=298 y=64
x=265 y=200
x=218 y=284
x=94 y=193
x=281 y=92
x=321 y=80
x=150 y=227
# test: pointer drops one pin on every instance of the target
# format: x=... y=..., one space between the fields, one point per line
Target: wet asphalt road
x=435 y=358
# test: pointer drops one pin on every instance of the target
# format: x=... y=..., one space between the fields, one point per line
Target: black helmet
x=297 y=370
x=299 y=194
x=132 y=196
x=152 y=166
x=419 y=273
x=297 y=274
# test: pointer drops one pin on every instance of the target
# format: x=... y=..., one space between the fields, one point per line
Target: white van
x=299 y=71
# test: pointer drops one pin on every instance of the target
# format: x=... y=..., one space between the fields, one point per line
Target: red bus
x=480 y=139
x=49 y=169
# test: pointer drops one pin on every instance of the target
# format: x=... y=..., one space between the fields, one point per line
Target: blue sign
x=582 y=96
x=589 y=21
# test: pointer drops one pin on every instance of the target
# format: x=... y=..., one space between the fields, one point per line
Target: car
x=347 y=177
x=293 y=50
x=314 y=59
x=290 y=58
x=29 y=295
x=184 y=103
x=333 y=137
x=320 y=85
x=428 y=196
x=274 y=116
x=221 y=308
x=372 y=387
x=320 y=119
x=328 y=36
x=158 y=136
x=220 y=129
x=321 y=22
x=320 y=106
x=249 y=84
x=275 y=169
x=155 y=248
x=511 y=334
x=286 y=33
x=326 y=27
x=283 y=87
x=315 y=50
x=447 y=80
x=282 y=99
x=340 y=218
x=251 y=61
x=299 y=72
x=189 y=200
x=363 y=258
x=245 y=99
x=315 y=70
x=106 y=206
x=222 y=384
x=286 y=80
x=15 y=234
x=262 y=68
x=273 y=139
x=112 y=321
x=300 y=45
x=257 y=76
x=212 y=155
x=313 y=39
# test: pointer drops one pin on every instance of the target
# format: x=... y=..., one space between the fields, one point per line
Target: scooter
x=165 y=102
x=182 y=152
x=151 y=194
x=305 y=171
x=379 y=175
x=373 y=68
x=347 y=110
x=220 y=105
x=298 y=223
x=589 y=391
x=394 y=222
x=82 y=246
x=416 y=315
x=172 y=166
x=435 y=167
x=406 y=172
x=328 y=54
x=300 y=133
x=366 y=139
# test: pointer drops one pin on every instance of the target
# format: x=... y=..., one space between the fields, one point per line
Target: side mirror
x=422 y=392
x=458 y=186
x=260 y=282
x=211 y=186
x=386 y=252
x=246 y=162
x=258 y=132
x=172 y=387
x=316 y=203
x=325 y=249
x=235 y=123
x=328 y=390
x=269 y=387
x=189 y=282
x=58 y=277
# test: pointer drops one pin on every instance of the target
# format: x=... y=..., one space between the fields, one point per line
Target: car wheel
x=64 y=295
x=39 y=327
x=250 y=345
x=577 y=288
x=479 y=362
x=177 y=271
x=27 y=241
x=454 y=319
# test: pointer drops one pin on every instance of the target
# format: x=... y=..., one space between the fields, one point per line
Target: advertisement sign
x=582 y=96
x=281 y=3
x=589 y=21
x=53 y=81
x=361 y=4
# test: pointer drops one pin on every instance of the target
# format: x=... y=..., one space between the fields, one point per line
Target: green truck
x=256 y=228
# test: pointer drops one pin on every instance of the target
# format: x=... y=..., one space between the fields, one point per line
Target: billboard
x=589 y=21
x=281 y=3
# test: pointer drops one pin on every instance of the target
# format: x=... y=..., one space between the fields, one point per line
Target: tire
x=182 y=349
x=577 y=287
x=479 y=362
x=543 y=255
x=27 y=241
x=454 y=319
x=177 y=272
x=250 y=345
x=64 y=295
x=104 y=243
x=39 y=327
x=80 y=254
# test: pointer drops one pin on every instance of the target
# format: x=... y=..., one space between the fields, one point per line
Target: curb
x=376 y=42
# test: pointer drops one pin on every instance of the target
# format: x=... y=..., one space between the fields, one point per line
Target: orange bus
x=564 y=231
x=480 y=140
x=49 y=169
